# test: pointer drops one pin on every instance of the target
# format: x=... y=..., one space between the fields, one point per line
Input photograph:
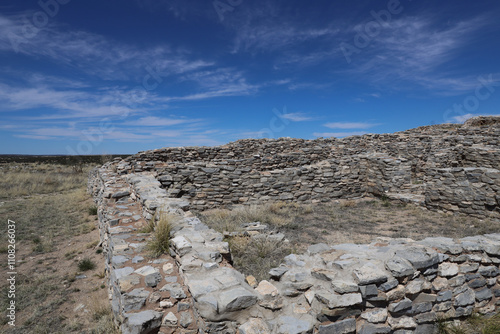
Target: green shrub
x=92 y=210
x=86 y=264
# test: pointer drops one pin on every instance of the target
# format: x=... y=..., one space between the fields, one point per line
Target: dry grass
x=257 y=256
x=53 y=229
x=18 y=180
x=276 y=214
x=344 y=221
x=475 y=324
x=160 y=241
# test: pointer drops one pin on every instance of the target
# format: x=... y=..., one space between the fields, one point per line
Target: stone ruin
x=389 y=286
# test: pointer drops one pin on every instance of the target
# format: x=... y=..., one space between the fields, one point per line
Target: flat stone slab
x=419 y=258
x=295 y=325
x=370 y=274
x=236 y=299
x=142 y=322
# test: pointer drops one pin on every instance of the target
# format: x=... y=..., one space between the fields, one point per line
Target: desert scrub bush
x=86 y=264
x=160 y=241
x=92 y=211
x=256 y=256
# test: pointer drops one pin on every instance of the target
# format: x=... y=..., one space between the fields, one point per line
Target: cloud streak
x=95 y=54
x=350 y=125
x=410 y=49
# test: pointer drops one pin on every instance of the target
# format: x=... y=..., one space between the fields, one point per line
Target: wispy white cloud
x=257 y=30
x=267 y=38
x=64 y=103
x=297 y=117
x=95 y=54
x=339 y=134
x=410 y=49
x=160 y=121
x=350 y=125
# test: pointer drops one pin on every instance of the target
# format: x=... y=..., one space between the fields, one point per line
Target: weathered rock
x=418 y=257
x=346 y=326
x=278 y=272
x=236 y=299
x=483 y=294
x=375 y=316
x=170 y=319
x=400 y=267
x=403 y=322
x=400 y=306
x=374 y=329
x=295 y=325
x=335 y=301
x=465 y=298
x=186 y=319
x=142 y=322
x=134 y=299
x=266 y=289
x=344 y=287
x=254 y=326
x=369 y=274
x=448 y=269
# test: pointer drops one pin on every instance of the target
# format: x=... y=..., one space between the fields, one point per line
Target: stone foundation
x=388 y=286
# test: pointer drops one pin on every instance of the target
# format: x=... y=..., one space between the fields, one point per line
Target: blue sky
x=121 y=76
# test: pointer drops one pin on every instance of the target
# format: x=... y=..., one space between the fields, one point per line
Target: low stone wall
x=145 y=293
x=388 y=286
x=213 y=185
x=407 y=165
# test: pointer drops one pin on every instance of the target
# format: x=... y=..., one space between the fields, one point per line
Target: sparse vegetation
x=256 y=256
x=278 y=214
x=160 y=242
x=475 y=324
x=150 y=226
x=92 y=211
x=343 y=221
x=50 y=206
x=86 y=264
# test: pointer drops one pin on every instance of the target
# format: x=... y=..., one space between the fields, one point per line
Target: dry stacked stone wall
x=389 y=286
x=415 y=165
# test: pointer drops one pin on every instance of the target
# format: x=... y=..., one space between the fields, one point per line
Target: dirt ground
x=54 y=232
x=359 y=221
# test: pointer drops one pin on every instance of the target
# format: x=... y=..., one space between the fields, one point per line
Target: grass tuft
x=86 y=264
x=92 y=211
x=476 y=323
x=160 y=242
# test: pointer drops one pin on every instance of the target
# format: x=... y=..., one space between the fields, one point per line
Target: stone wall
x=401 y=166
x=388 y=286
x=471 y=190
